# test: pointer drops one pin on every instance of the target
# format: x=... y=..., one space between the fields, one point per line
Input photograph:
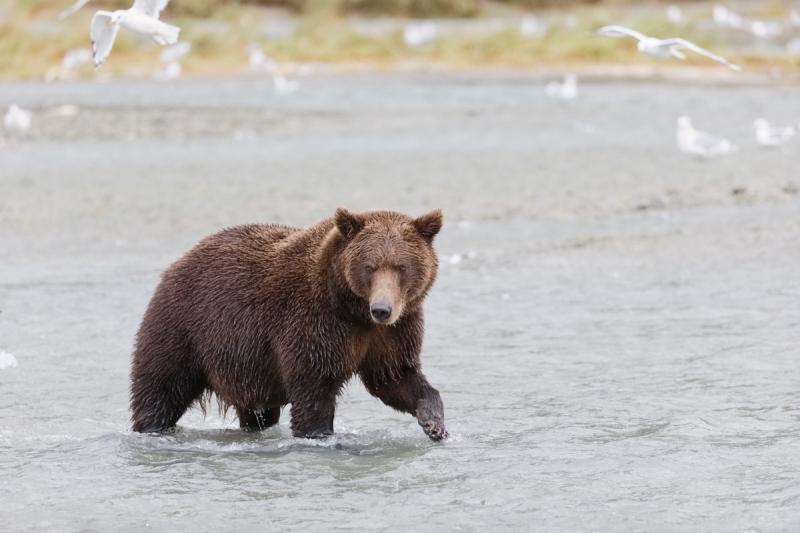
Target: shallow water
x=602 y=368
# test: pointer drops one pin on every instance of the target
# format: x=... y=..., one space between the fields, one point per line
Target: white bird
x=175 y=52
x=17 y=121
x=455 y=259
x=168 y=72
x=259 y=61
x=675 y=15
x=171 y=56
x=283 y=86
x=764 y=29
x=72 y=9
x=726 y=18
x=75 y=58
x=419 y=33
x=662 y=48
x=700 y=143
x=141 y=18
x=530 y=26
x=7 y=360
x=766 y=135
x=567 y=90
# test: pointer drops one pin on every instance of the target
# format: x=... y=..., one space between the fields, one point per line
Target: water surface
x=612 y=356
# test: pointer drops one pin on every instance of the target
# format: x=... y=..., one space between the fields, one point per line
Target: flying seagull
x=662 y=48
x=142 y=18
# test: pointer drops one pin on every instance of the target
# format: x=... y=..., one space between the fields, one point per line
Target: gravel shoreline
x=484 y=148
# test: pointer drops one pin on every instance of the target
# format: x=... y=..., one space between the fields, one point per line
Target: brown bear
x=266 y=315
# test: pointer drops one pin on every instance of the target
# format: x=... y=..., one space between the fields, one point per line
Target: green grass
x=32 y=41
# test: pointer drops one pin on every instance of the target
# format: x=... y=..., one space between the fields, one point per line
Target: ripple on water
x=275 y=442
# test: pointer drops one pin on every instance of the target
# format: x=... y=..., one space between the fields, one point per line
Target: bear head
x=388 y=259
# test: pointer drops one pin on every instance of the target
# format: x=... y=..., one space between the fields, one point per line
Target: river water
x=615 y=330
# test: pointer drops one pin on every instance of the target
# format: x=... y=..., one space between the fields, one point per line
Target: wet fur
x=266 y=315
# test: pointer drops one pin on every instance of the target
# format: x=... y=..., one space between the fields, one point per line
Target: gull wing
x=620 y=31
x=683 y=43
x=72 y=9
x=103 y=35
x=151 y=8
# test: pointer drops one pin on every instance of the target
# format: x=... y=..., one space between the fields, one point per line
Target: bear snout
x=381 y=312
x=385 y=298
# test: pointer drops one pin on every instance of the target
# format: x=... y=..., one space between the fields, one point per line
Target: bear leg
x=412 y=394
x=160 y=394
x=312 y=416
x=258 y=420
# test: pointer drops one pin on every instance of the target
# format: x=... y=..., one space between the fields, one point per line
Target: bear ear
x=348 y=223
x=429 y=224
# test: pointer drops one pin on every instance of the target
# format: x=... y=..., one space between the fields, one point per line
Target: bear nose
x=380 y=311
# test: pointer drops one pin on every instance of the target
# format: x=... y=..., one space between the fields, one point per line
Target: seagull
x=769 y=136
x=662 y=48
x=530 y=26
x=675 y=15
x=259 y=61
x=17 y=121
x=455 y=259
x=7 y=360
x=726 y=18
x=419 y=33
x=765 y=29
x=75 y=58
x=701 y=143
x=142 y=18
x=168 y=72
x=171 y=57
x=567 y=90
x=175 y=52
x=283 y=86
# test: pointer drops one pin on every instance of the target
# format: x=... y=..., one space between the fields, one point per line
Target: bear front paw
x=433 y=430
x=430 y=415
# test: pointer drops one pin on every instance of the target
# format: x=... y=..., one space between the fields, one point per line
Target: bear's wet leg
x=159 y=398
x=412 y=394
x=312 y=415
x=257 y=420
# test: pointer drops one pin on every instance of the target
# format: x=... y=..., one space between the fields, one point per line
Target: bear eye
x=401 y=268
x=369 y=269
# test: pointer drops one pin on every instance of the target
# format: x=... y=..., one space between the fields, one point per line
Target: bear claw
x=434 y=432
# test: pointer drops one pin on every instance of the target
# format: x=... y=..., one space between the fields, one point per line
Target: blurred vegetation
x=413 y=8
x=33 y=41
